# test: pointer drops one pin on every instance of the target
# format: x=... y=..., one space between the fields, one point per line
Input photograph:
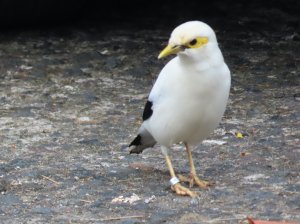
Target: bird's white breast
x=188 y=101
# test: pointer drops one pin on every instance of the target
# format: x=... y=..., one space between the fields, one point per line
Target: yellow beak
x=170 y=49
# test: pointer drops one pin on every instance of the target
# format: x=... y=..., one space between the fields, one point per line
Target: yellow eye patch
x=197 y=42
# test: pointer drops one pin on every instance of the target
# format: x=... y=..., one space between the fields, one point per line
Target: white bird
x=188 y=98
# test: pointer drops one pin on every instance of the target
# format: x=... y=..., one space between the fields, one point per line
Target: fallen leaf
x=239 y=135
x=253 y=221
x=244 y=153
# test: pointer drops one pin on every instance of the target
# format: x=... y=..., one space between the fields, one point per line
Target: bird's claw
x=194 y=179
x=181 y=190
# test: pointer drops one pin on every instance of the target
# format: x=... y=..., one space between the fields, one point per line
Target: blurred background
x=256 y=14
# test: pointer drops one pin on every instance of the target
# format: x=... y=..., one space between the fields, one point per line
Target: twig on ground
x=121 y=217
x=48 y=178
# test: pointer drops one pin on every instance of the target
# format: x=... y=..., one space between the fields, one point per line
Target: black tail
x=137 y=141
x=142 y=141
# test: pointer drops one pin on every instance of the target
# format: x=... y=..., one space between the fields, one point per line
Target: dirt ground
x=71 y=100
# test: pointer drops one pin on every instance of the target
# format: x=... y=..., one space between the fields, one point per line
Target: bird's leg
x=193 y=176
x=176 y=186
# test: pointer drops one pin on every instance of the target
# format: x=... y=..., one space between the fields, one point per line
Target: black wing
x=148 y=110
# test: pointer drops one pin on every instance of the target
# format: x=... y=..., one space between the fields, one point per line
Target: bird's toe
x=194 y=179
x=181 y=190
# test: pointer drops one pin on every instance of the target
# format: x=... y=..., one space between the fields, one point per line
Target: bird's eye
x=193 y=42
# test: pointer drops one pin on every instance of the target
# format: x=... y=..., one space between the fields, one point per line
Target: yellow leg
x=193 y=176
x=178 y=188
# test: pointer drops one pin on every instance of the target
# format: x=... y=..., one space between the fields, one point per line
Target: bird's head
x=189 y=38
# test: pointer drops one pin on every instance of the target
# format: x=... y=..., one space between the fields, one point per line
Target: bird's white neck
x=203 y=58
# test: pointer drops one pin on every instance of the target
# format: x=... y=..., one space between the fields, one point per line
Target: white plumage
x=190 y=94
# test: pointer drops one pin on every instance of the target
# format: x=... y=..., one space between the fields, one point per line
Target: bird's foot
x=194 y=179
x=181 y=190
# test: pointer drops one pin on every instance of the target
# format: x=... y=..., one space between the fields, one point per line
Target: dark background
x=253 y=15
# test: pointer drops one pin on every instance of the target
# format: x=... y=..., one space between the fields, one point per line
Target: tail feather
x=142 y=141
x=137 y=141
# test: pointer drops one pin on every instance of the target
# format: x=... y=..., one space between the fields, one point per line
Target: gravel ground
x=71 y=100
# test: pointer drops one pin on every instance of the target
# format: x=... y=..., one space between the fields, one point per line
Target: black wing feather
x=148 y=110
